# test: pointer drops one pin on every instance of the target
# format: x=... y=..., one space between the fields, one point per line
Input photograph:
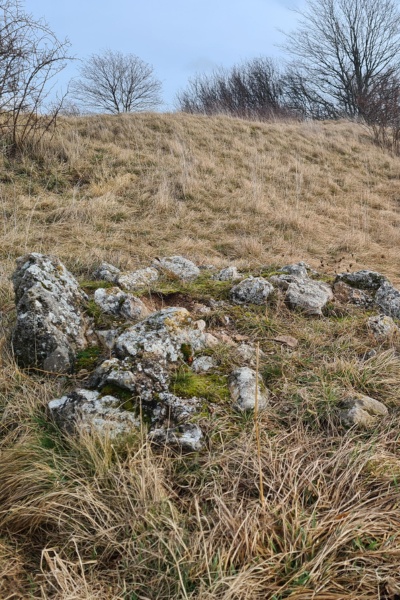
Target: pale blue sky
x=178 y=37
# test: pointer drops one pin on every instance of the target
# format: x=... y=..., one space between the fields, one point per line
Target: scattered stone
x=248 y=353
x=253 y=290
x=88 y=410
x=368 y=355
x=106 y=272
x=203 y=364
x=188 y=437
x=172 y=410
x=113 y=301
x=228 y=274
x=388 y=299
x=308 y=296
x=242 y=387
x=361 y=410
x=170 y=334
x=346 y=294
x=177 y=265
x=287 y=340
x=201 y=309
x=50 y=326
x=382 y=327
x=364 y=280
x=137 y=280
x=299 y=269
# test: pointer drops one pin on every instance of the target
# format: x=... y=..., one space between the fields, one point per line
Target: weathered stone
x=202 y=364
x=361 y=410
x=242 y=387
x=172 y=410
x=228 y=274
x=363 y=280
x=299 y=269
x=282 y=282
x=287 y=340
x=113 y=301
x=382 y=327
x=169 y=334
x=137 y=280
x=253 y=290
x=178 y=266
x=106 y=272
x=308 y=296
x=88 y=410
x=388 y=299
x=187 y=437
x=50 y=326
x=107 y=337
x=346 y=294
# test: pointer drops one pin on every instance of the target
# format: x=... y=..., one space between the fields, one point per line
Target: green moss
x=187 y=352
x=89 y=285
x=124 y=395
x=212 y=387
x=87 y=359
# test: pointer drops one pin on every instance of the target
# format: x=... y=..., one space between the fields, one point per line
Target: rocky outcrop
x=50 y=326
x=178 y=266
x=242 y=386
x=113 y=301
x=363 y=280
x=253 y=290
x=380 y=291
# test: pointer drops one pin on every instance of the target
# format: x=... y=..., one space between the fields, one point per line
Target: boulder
x=171 y=334
x=242 y=387
x=228 y=274
x=253 y=290
x=382 y=327
x=363 y=280
x=113 y=301
x=361 y=410
x=137 y=280
x=308 y=296
x=180 y=267
x=387 y=298
x=106 y=272
x=50 y=326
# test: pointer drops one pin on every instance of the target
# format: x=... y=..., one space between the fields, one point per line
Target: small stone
x=361 y=410
x=137 y=280
x=203 y=364
x=242 y=387
x=106 y=272
x=228 y=274
x=188 y=437
x=180 y=267
x=113 y=301
x=382 y=327
x=308 y=296
x=287 y=340
x=248 y=353
x=298 y=269
x=253 y=290
x=107 y=337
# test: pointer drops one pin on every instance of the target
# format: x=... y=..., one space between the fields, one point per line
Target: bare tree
x=115 y=83
x=30 y=57
x=341 y=47
x=252 y=90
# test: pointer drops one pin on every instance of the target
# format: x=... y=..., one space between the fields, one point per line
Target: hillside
x=296 y=500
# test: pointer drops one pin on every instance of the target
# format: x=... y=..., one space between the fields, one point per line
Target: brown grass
x=83 y=518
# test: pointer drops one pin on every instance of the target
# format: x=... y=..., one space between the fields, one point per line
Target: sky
x=179 y=38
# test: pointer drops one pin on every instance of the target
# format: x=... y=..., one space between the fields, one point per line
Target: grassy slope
x=80 y=519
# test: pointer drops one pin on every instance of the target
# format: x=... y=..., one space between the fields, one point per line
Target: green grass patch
x=212 y=387
x=87 y=359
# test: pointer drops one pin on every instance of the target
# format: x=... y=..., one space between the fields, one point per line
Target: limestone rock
x=228 y=274
x=88 y=410
x=107 y=337
x=188 y=437
x=137 y=280
x=388 y=299
x=203 y=364
x=169 y=334
x=361 y=410
x=382 y=327
x=106 y=272
x=242 y=387
x=346 y=294
x=177 y=265
x=253 y=290
x=50 y=326
x=113 y=301
x=308 y=296
x=248 y=353
x=299 y=269
x=363 y=280
x=283 y=281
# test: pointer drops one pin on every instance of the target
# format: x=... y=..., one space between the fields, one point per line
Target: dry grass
x=81 y=518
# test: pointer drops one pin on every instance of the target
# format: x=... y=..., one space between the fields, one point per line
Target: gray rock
x=253 y=290
x=88 y=410
x=203 y=364
x=172 y=410
x=106 y=272
x=349 y=295
x=388 y=299
x=107 y=337
x=50 y=326
x=282 y=282
x=168 y=334
x=137 y=280
x=308 y=296
x=361 y=410
x=242 y=387
x=178 y=266
x=113 y=301
x=188 y=437
x=382 y=327
x=248 y=353
x=228 y=274
x=299 y=269
x=363 y=280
